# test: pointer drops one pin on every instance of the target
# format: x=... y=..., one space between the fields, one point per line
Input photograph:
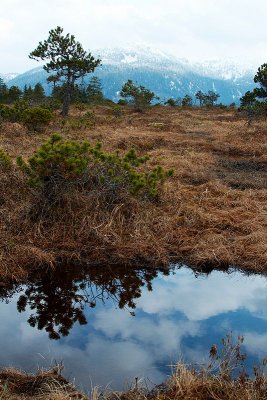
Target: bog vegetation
x=130 y=177
x=133 y=183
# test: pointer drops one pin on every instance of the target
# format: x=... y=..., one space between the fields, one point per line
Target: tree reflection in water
x=59 y=297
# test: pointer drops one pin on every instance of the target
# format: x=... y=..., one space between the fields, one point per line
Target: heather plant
x=86 y=121
x=117 y=111
x=80 y=107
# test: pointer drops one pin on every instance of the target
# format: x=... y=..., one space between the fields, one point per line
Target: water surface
x=110 y=325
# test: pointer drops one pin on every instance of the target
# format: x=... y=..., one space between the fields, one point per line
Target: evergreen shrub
x=36 y=118
x=5 y=161
x=58 y=161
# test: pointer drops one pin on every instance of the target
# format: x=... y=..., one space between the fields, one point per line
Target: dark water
x=109 y=326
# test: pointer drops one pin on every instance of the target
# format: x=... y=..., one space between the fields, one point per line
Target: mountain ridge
x=168 y=76
x=8 y=76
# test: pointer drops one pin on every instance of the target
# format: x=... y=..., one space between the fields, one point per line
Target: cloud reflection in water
x=181 y=317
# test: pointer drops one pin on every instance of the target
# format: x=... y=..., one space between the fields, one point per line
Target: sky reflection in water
x=180 y=318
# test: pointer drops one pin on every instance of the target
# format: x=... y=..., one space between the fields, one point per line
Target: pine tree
x=14 y=94
x=200 y=97
x=248 y=100
x=139 y=96
x=28 y=94
x=187 y=101
x=3 y=91
x=53 y=79
x=255 y=103
x=261 y=78
x=38 y=93
x=94 y=91
x=212 y=97
x=67 y=59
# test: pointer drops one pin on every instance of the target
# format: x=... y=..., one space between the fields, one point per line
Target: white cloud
x=91 y=358
x=166 y=337
x=5 y=29
x=196 y=29
x=205 y=297
x=118 y=347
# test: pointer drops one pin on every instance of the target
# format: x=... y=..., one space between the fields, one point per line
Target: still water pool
x=110 y=325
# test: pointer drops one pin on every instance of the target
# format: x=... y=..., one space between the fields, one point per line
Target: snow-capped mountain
x=7 y=77
x=166 y=75
x=139 y=56
x=227 y=70
x=146 y=56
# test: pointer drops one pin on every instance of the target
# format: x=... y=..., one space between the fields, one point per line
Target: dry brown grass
x=44 y=385
x=184 y=384
x=212 y=212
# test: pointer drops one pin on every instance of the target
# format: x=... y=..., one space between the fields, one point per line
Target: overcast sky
x=193 y=29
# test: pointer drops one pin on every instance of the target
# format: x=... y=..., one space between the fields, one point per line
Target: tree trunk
x=67 y=97
x=66 y=101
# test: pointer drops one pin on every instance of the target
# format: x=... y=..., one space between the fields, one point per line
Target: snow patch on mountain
x=224 y=69
x=139 y=56
x=166 y=75
x=8 y=76
x=128 y=59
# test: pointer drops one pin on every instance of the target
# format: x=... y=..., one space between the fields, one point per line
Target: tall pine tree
x=67 y=58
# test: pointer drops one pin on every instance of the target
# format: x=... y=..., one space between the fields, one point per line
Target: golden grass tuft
x=44 y=385
x=184 y=384
x=212 y=212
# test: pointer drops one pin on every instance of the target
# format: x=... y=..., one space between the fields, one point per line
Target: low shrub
x=8 y=113
x=5 y=161
x=64 y=162
x=36 y=118
x=254 y=111
x=55 y=160
x=122 y=102
x=117 y=111
x=171 y=102
x=86 y=121
x=51 y=104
